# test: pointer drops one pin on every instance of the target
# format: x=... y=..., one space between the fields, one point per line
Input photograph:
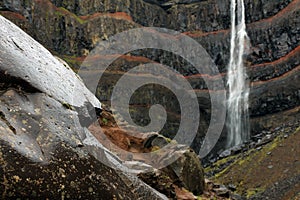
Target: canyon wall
x=71 y=29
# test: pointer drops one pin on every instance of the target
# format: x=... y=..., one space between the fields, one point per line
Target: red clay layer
x=13 y=15
x=295 y=52
x=46 y=4
x=203 y=34
x=289 y=73
x=117 y=56
x=116 y=15
x=146 y=60
x=293 y=6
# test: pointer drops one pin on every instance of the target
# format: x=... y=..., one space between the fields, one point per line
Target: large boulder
x=189 y=171
x=45 y=149
x=185 y=175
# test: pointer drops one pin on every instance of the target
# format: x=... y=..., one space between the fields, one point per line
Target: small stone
x=270 y=166
x=37 y=111
x=17 y=178
x=225 y=153
x=222 y=191
x=138 y=166
x=277 y=128
x=236 y=197
x=237 y=149
x=62 y=172
x=259 y=141
x=232 y=187
x=269 y=153
x=91 y=189
x=258 y=148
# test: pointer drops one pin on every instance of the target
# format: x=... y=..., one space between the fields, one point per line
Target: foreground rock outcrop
x=45 y=151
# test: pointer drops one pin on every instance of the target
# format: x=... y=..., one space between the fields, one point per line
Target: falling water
x=238 y=88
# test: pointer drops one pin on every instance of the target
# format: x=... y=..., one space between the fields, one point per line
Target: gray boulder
x=45 y=151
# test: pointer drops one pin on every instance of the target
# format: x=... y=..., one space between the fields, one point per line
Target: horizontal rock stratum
x=71 y=30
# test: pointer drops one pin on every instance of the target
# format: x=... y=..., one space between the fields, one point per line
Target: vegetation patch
x=253 y=191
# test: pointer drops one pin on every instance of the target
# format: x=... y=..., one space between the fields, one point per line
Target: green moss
x=72 y=62
x=216 y=166
x=105 y=121
x=168 y=140
x=67 y=106
x=253 y=191
x=61 y=12
x=155 y=148
x=297 y=130
x=241 y=162
x=218 y=175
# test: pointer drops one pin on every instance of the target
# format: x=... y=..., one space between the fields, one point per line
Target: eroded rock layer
x=73 y=28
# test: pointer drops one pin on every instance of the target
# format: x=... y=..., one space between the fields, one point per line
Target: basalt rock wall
x=72 y=29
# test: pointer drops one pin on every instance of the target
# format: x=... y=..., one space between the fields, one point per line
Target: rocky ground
x=265 y=169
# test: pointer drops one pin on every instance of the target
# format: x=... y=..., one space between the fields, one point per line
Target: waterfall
x=238 y=87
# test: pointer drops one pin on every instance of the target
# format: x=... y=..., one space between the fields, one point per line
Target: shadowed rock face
x=73 y=28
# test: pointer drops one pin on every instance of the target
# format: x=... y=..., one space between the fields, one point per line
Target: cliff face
x=73 y=28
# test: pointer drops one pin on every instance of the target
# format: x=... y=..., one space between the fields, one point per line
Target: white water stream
x=238 y=86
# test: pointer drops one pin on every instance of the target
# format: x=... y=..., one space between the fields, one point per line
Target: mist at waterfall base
x=237 y=84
